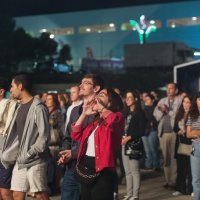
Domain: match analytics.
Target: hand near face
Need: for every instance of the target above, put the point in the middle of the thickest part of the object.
(163, 108)
(88, 108)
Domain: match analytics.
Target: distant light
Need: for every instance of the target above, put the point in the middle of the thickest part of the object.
(152, 22)
(88, 29)
(52, 36)
(173, 26)
(43, 30)
(141, 32)
(112, 25)
(196, 53)
(194, 18)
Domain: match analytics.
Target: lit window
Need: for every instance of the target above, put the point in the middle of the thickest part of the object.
(59, 31)
(192, 21)
(100, 28)
(128, 27)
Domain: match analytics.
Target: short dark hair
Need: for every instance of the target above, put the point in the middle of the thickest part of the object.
(172, 83)
(116, 103)
(4, 83)
(97, 80)
(150, 96)
(25, 80)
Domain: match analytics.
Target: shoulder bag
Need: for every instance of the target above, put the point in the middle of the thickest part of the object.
(85, 172)
(134, 149)
(184, 149)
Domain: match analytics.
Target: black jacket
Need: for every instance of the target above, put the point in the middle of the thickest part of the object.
(68, 142)
(136, 127)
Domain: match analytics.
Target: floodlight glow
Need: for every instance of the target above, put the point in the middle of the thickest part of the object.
(52, 36)
(112, 25)
(152, 22)
(173, 26)
(196, 53)
(88, 29)
(43, 30)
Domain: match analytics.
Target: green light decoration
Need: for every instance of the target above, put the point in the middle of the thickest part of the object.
(143, 31)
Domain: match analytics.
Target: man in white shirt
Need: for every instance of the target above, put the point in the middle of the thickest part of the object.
(76, 101)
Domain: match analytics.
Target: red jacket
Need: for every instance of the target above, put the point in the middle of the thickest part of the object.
(107, 139)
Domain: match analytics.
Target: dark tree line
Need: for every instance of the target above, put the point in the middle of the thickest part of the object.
(16, 45)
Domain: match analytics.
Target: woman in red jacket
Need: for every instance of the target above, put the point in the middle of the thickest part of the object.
(99, 142)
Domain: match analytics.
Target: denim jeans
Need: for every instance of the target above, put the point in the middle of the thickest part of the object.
(195, 167)
(151, 144)
(70, 187)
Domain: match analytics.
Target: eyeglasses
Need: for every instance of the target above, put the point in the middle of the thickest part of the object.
(86, 83)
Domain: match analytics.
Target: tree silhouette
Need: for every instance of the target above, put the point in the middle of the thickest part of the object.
(16, 45)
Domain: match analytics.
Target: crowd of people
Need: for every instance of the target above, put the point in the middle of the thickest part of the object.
(69, 144)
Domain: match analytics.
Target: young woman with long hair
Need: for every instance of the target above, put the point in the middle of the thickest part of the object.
(184, 178)
(193, 132)
(134, 129)
(99, 143)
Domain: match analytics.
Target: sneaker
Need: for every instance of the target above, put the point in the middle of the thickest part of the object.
(177, 193)
(192, 194)
(115, 195)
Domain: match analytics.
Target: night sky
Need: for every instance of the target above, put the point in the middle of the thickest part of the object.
(16, 8)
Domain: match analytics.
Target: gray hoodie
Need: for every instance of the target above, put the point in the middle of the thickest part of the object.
(34, 144)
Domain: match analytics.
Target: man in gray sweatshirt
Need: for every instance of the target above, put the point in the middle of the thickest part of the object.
(27, 142)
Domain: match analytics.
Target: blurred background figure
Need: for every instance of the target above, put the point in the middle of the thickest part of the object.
(134, 129)
(184, 177)
(150, 140)
(56, 123)
(64, 101)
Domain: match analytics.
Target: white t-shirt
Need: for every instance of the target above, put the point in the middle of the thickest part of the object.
(90, 145)
(195, 126)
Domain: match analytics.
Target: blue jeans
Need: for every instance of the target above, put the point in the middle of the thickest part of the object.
(151, 144)
(195, 167)
(70, 187)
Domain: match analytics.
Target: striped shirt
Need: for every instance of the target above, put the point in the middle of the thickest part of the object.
(195, 126)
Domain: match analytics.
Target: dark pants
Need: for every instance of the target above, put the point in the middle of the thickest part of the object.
(184, 177)
(70, 187)
(102, 189)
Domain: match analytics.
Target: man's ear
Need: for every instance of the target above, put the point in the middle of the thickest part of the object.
(96, 88)
(20, 86)
(2, 91)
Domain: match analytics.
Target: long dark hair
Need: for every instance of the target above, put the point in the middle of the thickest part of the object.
(181, 113)
(136, 97)
(194, 112)
(115, 101)
(55, 100)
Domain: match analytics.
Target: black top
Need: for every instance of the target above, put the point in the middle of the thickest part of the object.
(151, 123)
(68, 142)
(135, 124)
(21, 118)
